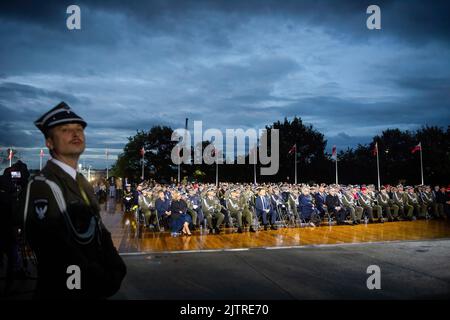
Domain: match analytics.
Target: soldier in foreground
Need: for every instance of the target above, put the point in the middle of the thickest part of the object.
(62, 220)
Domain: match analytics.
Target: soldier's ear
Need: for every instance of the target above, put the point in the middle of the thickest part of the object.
(49, 143)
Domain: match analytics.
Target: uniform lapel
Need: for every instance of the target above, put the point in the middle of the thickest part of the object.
(64, 176)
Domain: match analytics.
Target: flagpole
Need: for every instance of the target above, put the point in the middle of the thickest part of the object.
(179, 172)
(107, 171)
(254, 165)
(184, 143)
(295, 166)
(421, 163)
(378, 167)
(143, 154)
(337, 170)
(40, 160)
(217, 168)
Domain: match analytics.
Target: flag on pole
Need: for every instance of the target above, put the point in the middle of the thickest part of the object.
(10, 156)
(375, 149)
(417, 148)
(107, 165)
(142, 154)
(293, 149)
(414, 150)
(41, 155)
(334, 153)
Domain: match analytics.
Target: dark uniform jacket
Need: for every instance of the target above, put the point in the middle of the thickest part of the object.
(65, 229)
(332, 202)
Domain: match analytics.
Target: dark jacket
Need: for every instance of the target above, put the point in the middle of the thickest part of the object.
(320, 201)
(441, 197)
(306, 206)
(74, 236)
(162, 206)
(262, 205)
(332, 202)
(178, 207)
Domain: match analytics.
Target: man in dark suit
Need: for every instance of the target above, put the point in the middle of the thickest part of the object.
(264, 210)
(320, 199)
(75, 254)
(335, 206)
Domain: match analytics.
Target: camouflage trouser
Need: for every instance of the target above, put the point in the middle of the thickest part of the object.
(219, 216)
(423, 210)
(355, 212)
(194, 215)
(150, 216)
(243, 215)
(408, 211)
(391, 211)
(378, 210)
(418, 210)
(370, 211)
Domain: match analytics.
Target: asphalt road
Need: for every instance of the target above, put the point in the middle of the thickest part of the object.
(408, 270)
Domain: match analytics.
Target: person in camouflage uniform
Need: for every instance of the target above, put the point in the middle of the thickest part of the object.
(388, 205)
(366, 202)
(349, 201)
(211, 208)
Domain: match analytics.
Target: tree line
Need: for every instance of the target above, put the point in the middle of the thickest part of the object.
(355, 165)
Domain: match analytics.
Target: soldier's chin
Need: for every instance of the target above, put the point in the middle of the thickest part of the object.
(76, 150)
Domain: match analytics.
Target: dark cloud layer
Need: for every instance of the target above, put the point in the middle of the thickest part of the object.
(229, 63)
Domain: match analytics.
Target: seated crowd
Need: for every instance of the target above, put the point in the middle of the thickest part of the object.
(187, 207)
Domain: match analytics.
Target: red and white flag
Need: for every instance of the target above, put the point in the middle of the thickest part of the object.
(334, 153)
(375, 149)
(293, 149)
(142, 152)
(417, 148)
(10, 156)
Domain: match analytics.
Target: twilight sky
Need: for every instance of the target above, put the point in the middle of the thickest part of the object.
(232, 64)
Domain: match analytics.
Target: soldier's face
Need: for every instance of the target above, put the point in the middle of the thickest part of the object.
(67, 140)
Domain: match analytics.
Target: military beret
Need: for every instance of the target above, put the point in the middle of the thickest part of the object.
(59, 115)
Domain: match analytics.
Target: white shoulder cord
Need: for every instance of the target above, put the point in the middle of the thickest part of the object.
(57, 193)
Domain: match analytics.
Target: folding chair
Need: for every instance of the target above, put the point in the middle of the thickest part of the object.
(282, 216)
(329, 216)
